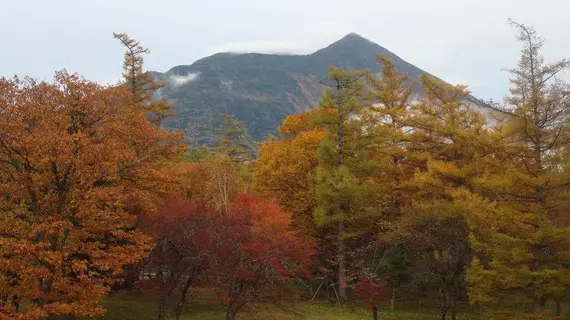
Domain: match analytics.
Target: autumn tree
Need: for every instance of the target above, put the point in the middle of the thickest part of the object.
(141, 84)
(257, 256)
(435, 239)
(381, 268)
(290, 179)
(229, 164)
(185, 235)
(371, 292)
(313, 137)
(448, 140)
(426, 151)
(224, 181)
(195, 154)
(391, 93)
(211, 182)
(71, 165)
(337, 186)
(195, 180)
(213, 176)
(388, 122)
(518, 229)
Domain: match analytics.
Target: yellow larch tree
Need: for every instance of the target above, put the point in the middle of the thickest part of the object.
(519, 229)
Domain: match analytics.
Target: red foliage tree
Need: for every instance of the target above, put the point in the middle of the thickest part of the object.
(371, 293)
(257, 255)
(185, 242)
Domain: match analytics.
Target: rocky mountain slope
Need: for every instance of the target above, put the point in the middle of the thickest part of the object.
(260, 90)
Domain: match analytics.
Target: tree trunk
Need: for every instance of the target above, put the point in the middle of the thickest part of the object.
(180, 305)
(341, 253)
(543, 301)
(454, 307)
(230, 315)
(163, 306)
(16, 305)
(536, 303)
(375, 313)
(420, 305)
(393, 300)
(178, 310)
(341, 262)
(161, 310)
(444, 305)
(558, 309)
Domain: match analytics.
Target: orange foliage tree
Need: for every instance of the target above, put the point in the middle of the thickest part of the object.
(74, 157)
(285, 168)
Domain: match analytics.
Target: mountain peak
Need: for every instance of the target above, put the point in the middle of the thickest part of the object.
(260, 90)
(351, 43)
(353, 36)
(354, 39)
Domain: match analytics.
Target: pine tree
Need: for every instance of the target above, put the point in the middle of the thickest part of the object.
(517, 222)
(140, 83)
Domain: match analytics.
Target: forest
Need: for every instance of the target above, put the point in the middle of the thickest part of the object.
(442, 206)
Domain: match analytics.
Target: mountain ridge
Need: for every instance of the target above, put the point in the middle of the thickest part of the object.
(261, 89)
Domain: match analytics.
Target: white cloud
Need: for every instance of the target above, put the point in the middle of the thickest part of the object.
(178, 80)
(274, 47)
(467, 40)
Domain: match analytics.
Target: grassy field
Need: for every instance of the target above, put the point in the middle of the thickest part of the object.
(136, 307)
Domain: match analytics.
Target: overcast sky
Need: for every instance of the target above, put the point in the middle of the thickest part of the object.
(461, 41)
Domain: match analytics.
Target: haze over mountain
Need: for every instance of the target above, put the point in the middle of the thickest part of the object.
(260, 90)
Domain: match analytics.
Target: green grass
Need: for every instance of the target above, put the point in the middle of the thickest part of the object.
(136, 307)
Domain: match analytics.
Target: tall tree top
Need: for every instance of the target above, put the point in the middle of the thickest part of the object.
(141, 84)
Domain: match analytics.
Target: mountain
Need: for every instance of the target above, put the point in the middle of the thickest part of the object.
(260, 90)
